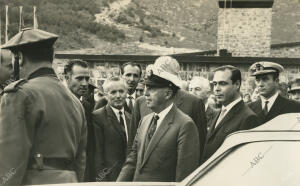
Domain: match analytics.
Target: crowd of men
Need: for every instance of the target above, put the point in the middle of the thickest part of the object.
(151, 130)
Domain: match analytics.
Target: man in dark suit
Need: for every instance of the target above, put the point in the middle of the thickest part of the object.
(234, 115)
(111, 125)
(77, 75)
(270, 103)
(131, 73)
(166, 147)
(200, 86)
(187, 103)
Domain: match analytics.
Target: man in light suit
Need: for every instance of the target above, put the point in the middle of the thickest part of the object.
(187, 103)
(234, 115)
(200, 86)
(166, 146)
(270, 103)
(111, 131)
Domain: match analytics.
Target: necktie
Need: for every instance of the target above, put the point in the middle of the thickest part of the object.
(151, 130)
(265, 109)
(221, 116)
(121, 120)
(130, 105)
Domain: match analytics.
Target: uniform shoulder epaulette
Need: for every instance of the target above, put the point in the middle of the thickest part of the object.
(14, 86)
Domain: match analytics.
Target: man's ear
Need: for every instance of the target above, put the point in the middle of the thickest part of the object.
(169, 93)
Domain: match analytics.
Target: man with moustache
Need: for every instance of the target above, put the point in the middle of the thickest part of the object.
(187, 103)
(111, 131)
(270, 103)
(166, 146)
(235, 115)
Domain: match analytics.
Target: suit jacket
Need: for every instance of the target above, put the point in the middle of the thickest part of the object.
(281, 105)
(187, 103)
(110, 144)
(240, 117)
(210, 113)
(172, 153)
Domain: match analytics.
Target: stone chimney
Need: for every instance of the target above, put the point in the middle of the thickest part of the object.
(244, 27)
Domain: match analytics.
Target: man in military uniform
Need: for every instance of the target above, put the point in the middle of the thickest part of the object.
(42, 124)
(270, 103)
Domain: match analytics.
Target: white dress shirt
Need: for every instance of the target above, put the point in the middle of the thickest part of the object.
(162, 115)
(116, 111)
(133, 98)
(228, 108)
(271, 101)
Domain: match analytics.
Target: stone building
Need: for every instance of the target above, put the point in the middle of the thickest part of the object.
(244, 37)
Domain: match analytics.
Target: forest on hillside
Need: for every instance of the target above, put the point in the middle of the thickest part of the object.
(72, 20)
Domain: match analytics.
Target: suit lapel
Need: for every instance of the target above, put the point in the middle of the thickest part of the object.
(143, 129)
(160, 131)
(228, 116)
(276, 108)
(257, 106)
(212, 128)
(115, 122)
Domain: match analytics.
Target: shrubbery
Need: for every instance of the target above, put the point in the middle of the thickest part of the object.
(72, 20)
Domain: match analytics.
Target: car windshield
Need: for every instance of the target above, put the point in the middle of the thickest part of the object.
(258, 163)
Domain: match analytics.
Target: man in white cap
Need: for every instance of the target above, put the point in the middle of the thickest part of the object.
(42, 124)
(187, 103)
(270, 103)
(166, 146)
(294, 91)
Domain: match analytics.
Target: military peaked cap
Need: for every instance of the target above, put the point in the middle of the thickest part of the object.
(29, 37)
(265, 67)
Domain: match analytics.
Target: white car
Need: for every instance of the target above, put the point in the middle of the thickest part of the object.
(268, 155)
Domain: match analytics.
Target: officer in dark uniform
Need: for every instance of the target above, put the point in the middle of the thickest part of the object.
(42, 124)
(270, 103)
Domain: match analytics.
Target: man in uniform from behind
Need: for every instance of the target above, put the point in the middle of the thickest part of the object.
(270, 103)
(42, 124)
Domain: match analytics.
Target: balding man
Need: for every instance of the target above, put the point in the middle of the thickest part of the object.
(200, 87)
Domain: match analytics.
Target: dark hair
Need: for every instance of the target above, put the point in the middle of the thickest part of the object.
(69, 66)
(235, 73)
(39, 51)
(131, 64)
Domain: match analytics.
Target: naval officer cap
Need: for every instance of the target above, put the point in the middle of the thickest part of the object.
(30, 37)
(163, 73)
(265, 67)
(295, 85)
